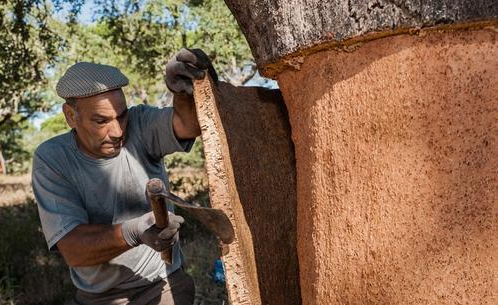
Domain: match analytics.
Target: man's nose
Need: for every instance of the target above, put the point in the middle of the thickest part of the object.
(115, 129)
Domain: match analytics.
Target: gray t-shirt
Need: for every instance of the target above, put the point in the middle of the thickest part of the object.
(72, 189)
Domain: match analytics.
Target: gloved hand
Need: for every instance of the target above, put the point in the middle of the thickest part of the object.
(185, 66)
(142, 230)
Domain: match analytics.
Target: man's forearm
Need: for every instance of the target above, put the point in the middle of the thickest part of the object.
(88, 245)
(185, 123)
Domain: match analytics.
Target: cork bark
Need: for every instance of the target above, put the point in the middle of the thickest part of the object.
(251, 172)
(397, 165)
(281, 32)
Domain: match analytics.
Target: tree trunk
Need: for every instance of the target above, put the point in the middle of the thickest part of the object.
(281, 32)
(392, 106)
(3, 167)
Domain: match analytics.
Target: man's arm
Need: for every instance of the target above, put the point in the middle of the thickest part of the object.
(93, 244)
(185, 123)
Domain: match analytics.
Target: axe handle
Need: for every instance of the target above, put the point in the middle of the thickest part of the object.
(160, 210)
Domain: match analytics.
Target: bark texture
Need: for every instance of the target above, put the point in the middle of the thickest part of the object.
(251, 171)
(277, 30)
(396, 151)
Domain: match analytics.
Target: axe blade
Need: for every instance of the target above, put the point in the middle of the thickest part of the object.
(214, 219)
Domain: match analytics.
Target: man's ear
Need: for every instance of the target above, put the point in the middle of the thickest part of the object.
(70, 114)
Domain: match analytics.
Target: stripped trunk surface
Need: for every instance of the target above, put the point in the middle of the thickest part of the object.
(251, 171)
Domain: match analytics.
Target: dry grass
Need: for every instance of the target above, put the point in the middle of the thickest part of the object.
(188, 182)
(29, 273)
(15, 189)
(22, 179)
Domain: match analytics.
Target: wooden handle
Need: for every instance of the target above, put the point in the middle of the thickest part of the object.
(155, 187)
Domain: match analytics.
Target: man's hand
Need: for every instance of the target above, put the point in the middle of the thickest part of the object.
(185, 66)
(142, 230)
(181, 70)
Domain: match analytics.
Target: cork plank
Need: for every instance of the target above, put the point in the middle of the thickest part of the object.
(251, 172)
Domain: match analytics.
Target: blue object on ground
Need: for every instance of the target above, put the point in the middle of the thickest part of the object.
(218, 274)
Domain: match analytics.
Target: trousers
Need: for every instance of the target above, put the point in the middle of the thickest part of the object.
(179, 289)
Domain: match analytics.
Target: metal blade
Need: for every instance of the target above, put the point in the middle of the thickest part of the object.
(214, 219)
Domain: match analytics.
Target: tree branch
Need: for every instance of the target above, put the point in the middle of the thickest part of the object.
(5, 118)
(249, 76)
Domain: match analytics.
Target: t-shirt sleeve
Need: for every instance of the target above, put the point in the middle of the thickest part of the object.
(155, 130)
(59, 205)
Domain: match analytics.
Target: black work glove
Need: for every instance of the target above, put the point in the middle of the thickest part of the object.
(185, 66)
(142, 230)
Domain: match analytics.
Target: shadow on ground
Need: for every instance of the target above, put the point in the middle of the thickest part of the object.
(29, 273)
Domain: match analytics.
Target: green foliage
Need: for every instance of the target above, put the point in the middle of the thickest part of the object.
(139, 37)
(220, 37)
(55, 124)
(27, 48)
(195, 158)
(149, 32)
(32, 137)
(11, 140)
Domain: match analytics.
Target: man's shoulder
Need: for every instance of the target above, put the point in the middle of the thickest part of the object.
(134, 114)
(138, 110)
(140, 115)
(55, 144)
(53, 149)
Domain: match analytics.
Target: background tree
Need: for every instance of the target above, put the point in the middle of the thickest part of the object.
(148, 33)
(28, 47)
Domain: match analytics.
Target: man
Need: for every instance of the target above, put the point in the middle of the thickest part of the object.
(90, 184)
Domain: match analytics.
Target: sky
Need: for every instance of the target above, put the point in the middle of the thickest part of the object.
(85, 17)
(86, 12)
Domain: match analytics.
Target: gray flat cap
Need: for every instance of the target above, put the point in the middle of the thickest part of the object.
(86, 79)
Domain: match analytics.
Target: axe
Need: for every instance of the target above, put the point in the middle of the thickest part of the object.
(214, 219)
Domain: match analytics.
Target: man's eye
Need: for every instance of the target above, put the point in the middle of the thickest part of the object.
(100, 122)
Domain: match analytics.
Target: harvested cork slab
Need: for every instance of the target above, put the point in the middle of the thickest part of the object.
(251, 173)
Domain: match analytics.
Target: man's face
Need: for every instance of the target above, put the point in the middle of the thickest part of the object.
(100, 123)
